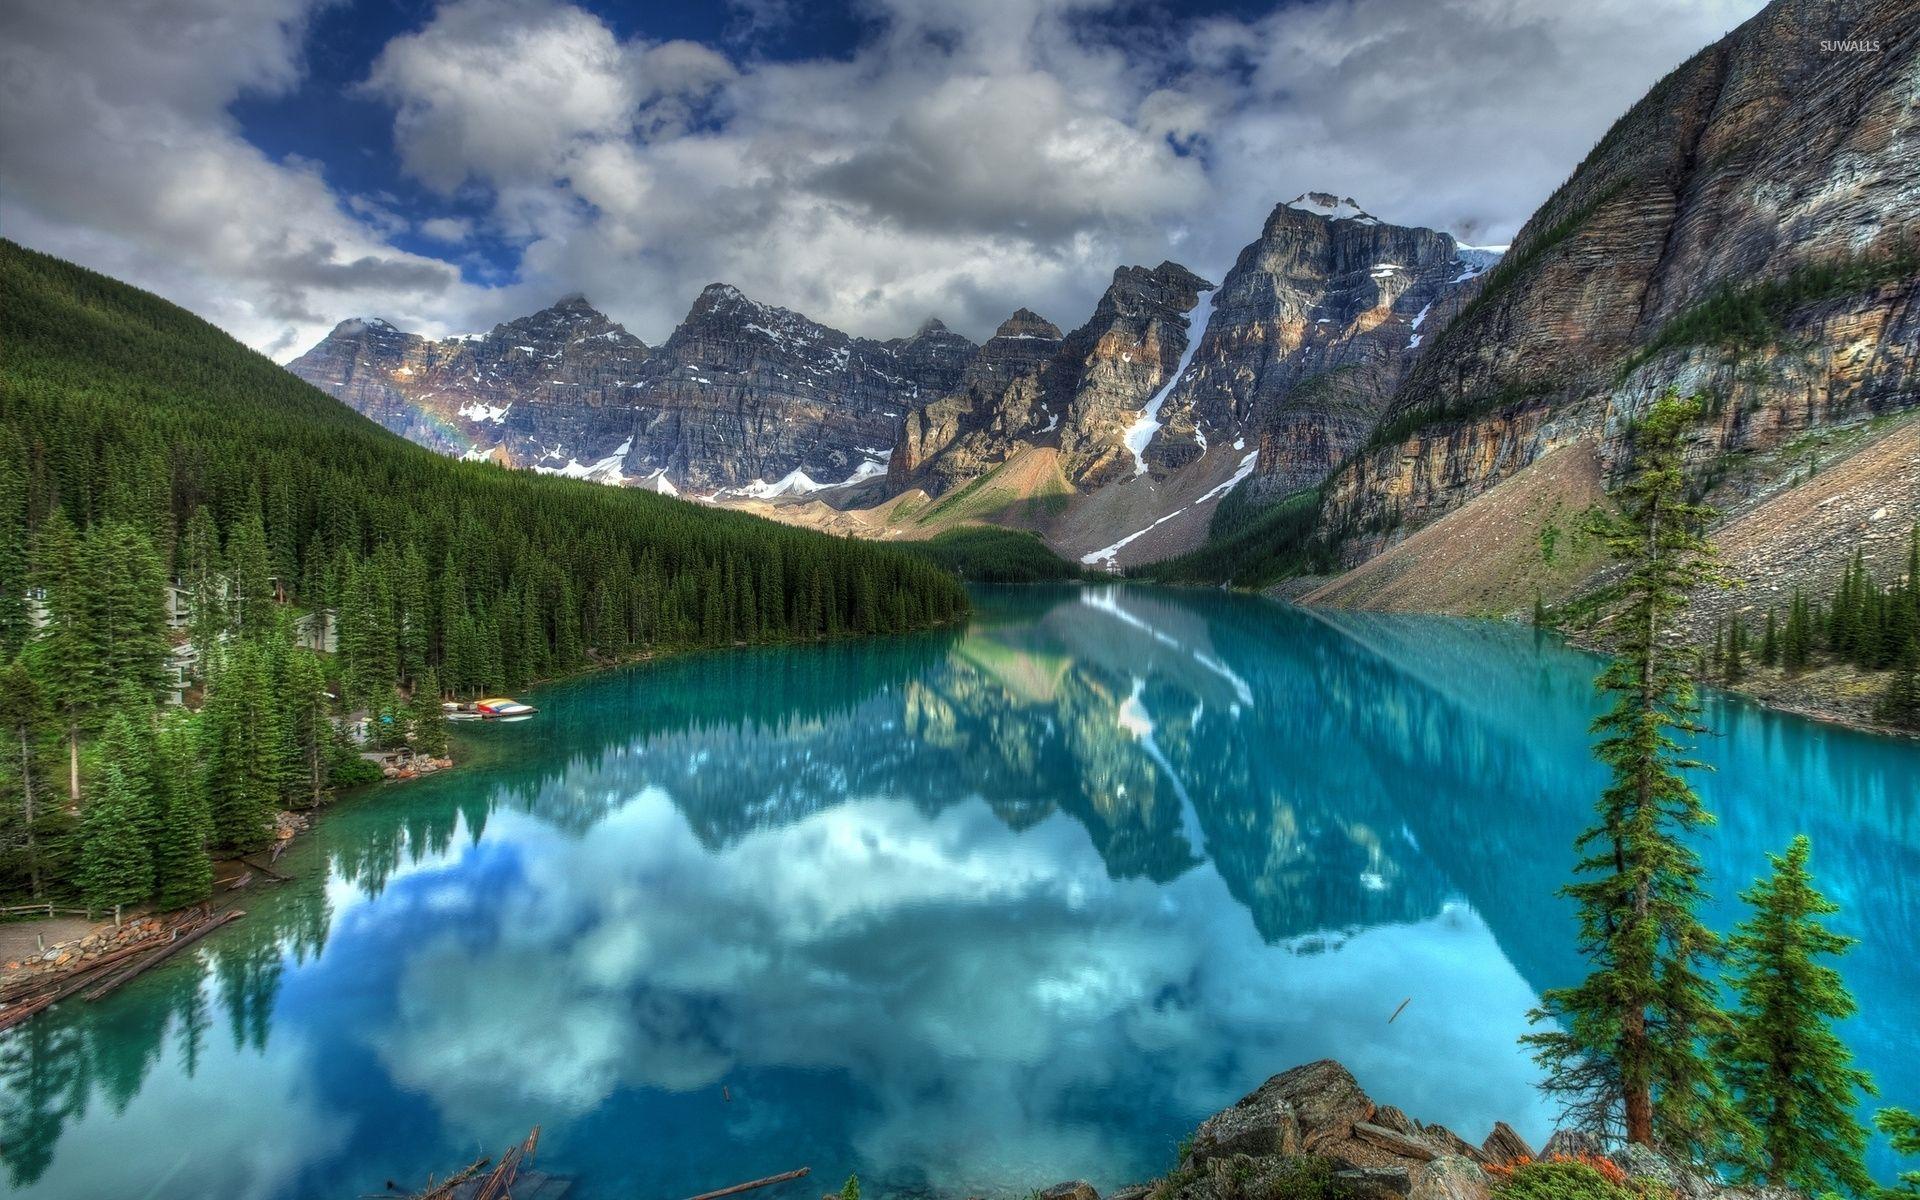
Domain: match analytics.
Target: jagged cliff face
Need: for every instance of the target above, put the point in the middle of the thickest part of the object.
(1756, 164)
(745, 393)
(559, 377)
(1309, 335)
(744, 397)
(1082, 393)
(1000, 404)
(1110, 369)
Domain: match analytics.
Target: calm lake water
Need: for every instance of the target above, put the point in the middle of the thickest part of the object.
(967, 912)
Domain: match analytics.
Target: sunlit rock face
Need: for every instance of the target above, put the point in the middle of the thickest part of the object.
(1081, 393)
(1111, 367)
(1759, 161)
(1000, 402)
(1311, 331)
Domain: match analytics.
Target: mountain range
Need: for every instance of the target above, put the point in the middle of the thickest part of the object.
(749, 403)
(1747, 230)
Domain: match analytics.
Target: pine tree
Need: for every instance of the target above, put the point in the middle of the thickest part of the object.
(116, 866)
(307, 733)
(183, 873)
(1770, 642)
(241, 743)
(427, 725)
(1737, 651)
(1900, 706)
(14, 544)
(126, 594)
(201, 576)
(1795, 1078)
(23, 716)
(1629, 1053)
(1796, 644)
(63, 655)
(250, 576)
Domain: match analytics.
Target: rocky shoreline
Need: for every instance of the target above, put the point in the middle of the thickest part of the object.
(1312, 1133)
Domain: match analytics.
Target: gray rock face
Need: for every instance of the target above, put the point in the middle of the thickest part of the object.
(1310, 333)
(559, 377)
(742, 393)
(1109, 369)
(1760, 161)
(1029, 386)
(1000, 405)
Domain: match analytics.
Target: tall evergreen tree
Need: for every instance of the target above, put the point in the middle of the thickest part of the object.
(242, 746)
(183, 873)
(23, 716)
(202, 576)
(250, 575)
(427, 725)
(64, 654)
(126, 592)
(116, 864)
(307, 729)
(14, 544)
(1629, 1053)
(1796, 1080)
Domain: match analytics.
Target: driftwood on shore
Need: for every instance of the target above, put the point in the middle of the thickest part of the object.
(104, 974)
(127, 975)
(769, 1181)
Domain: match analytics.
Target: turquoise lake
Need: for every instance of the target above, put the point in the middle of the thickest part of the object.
(969, 913)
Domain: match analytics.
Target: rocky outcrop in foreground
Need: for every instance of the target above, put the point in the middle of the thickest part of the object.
(1313, 1134)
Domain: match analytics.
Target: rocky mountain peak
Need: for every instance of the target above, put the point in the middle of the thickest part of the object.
(1330, 206)
(367, 329)
(930, 327)
(1137, 290)
(1028, 324)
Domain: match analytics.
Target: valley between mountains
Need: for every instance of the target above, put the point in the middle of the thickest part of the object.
(1365, 414)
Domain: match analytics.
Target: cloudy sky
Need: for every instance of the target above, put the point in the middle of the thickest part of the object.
(280, 165)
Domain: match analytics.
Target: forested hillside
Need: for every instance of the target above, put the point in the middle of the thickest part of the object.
(138, 444)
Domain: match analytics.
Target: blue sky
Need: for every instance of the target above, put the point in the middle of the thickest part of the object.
(281, 165)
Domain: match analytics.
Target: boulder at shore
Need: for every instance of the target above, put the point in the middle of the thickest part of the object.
(1312, 1133)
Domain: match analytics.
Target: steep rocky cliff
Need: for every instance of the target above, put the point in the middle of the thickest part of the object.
(1309, 335)
(1000, 403)
(1081, 393)
(1747, 230)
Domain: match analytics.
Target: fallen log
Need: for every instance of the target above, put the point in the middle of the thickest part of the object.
(36, 983)
(497, 1183)
(269, 872)
(129, 974)
(737, 1188)
(26, 1008)
(241, 880)
(444, 1189)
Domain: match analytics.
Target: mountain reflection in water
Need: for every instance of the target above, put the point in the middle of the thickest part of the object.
(966, 912)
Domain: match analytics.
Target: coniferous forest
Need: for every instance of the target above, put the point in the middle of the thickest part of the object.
(206, 565)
